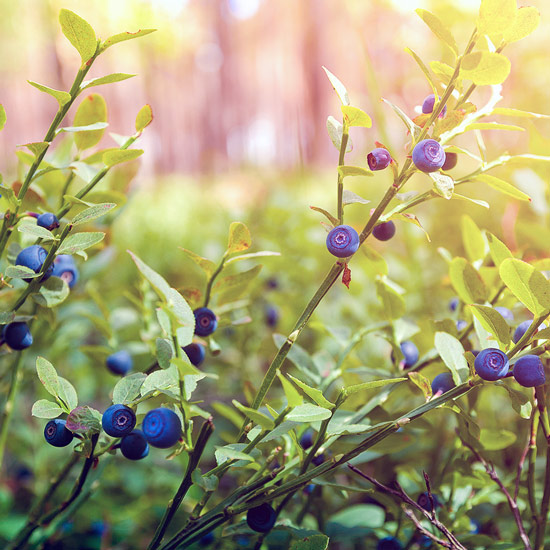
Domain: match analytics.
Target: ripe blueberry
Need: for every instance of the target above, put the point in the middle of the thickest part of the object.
(17, 335)
(453, 304)
(410, 353)
(389, 543)
(56, 433)
(33, 257)
(378, 159)
(120, 362)
(442, 383)
(428, 106)
(306, 441)
(522, 329)
(207, 539)
(205, 321)
(318, 460)
(461, 325)
(118, 420)
(195, 353)
(342, 241)
(451, 160)
(47, 220)
(271, 316)
(423, 500)
(162, 427)
(428, 155)
(491, 364)
(505, 313)
(308, 489)
(529, 371)
(384, 231)
(134, 445)
(65, 268)
(262, 518)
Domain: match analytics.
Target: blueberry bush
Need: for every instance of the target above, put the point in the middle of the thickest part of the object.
(142, 410)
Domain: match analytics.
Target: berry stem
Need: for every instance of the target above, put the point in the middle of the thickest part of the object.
(341, 157)
(209, 284)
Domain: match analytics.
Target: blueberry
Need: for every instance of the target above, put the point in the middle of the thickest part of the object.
(195, 353)
(17, 335)
(118, 420)
(308, 489)
(205, 321)
(442, 383)
(461, 325)
(342, 241)
(271, 316)
(33, 257)
(475, 526)
(56, 433)
(162, 427)
(428, 155)
(384, 231)
(522, 329)
(428, 106)
(529, 371)
(134, 445)
(389, 543)
(272, 283)
(410, 353)
(378, 159)
(120, 362)
(453, 304)
(505, 313)
(206, 539)
(306, 441)
(47, 220)
(491, 364)
(65, 268)
(423, 500)
(318, 460)
(262, 518)
(98, 528)
(451, 160)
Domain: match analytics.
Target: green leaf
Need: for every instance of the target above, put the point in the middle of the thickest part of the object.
(484, 204)
(349, 197)
(20, 272)
(349, 390)
(6, 317)
(526, 21)
(88, 128)
(228, 412)
(494, 439)
(48, 376)
(80, 241)
(359, 515)
(37, 148)
(144, 118)
(328, 215)
(206, 265)
(507, 111)
(495, 16)
(498, 250)
(493, 126)
(527, 284)
(260, 254)
(314, 393)
(128, 388)
(157, 281)
(300, 357)
(123, 36)
(424, 69)
(36, 231)
(93, 213)
(308, 413)
(346, 170)
(79, 33)
(92, 110)
(472, 238)
(392, 302)
(419, 380)
(311, 542)
(356, 117)
(443, 185)
(46, 409)
(467, 282)
(293, 397)
(164, 352)
(492, 321)
(452, 353)
(190, 384)
(439, 29)
(3, 117)
(485, 68)
(411, 126)
(520, 402)
(239, 280)
(231, 452)
(335, 131)
(239, 238)
(52, 292)
(118, 156)
(62, 97)
(108, 79)
(502, 186)
(339, 88)
(182, 315)
(67, 393)
(164, 380)
(256, 416)
(84, 420)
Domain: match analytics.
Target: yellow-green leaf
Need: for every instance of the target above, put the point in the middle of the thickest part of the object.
(467, 281)
(293, 397)
(239, 238)
(484, 68)
(493, 126)
(498, 250)
(507, 111)
(526, 21)
(503, 187)
(117, 156)
(123, 36)
(492, 321)
(92, 109)
(439, 29)
(472, 238)
(3, 117)
(392, 302)
(79, 33)
(144, 117)
(61, 97)
(495, 16)
(314, 393)
(356, 117)
(256, 416)
(339, 88)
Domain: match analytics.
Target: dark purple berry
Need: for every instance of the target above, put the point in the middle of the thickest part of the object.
(33, 257)
(262, 518)
(522, 329)
(410, 353)
(195, 353)
(56, 433)
(342, 241)
(451, 160)
(65, 268)
(47, 220)
(207, 539)
(529, 371)
(162, 427)
(491, 364)
(424, 501)
(271, 316)
(378, 159)
(384, 231)
(428, 155)
(389, 543)
(205, 321)
(428, 106)
(120, 362)
(17, 335)
(118, 420)
(134, 445)
(318, 460)
(442, 383)
(306, 441)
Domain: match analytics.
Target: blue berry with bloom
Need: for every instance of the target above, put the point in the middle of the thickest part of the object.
(384, 231)
(461, 325)
(389, 543)
(118, 420)
(529, 371)
(120, 362)
(57, 434)
(134, 446)
(410, 353)
(442, 383)
(379, 159)
(271, 316)
(428, 106)
(262, 518)
(491, 364)
(428, 155)
(17, 335)
(195, 353)
(521, 329)
(505, 313)
(205, 321)
(343, 241)
(306, 440)
(65, 268)
(161, 427)
(33, 257)
(47, 220)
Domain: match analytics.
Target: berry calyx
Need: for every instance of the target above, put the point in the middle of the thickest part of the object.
(378, 159)
(195, 353)
(33, 257)
(529, 371)
(262, 518)
(47, 220)
(491, 364)
(442, 383)
(384, 231)
(161, 427)
(134, 445)
(57, 434)
(342, 241)
(118, 420)
(120, 362)
(205, 321)
(428, 155)
(17, 335)
(428, 106)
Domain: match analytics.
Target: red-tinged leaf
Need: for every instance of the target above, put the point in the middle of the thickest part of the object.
(378, 144)
(346, 276)
(421, 120)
